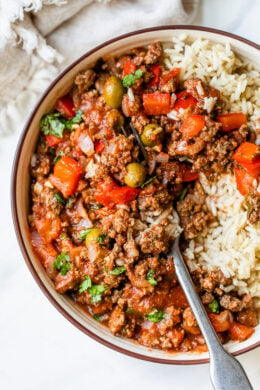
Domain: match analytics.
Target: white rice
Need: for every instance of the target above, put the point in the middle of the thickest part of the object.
(232, 243)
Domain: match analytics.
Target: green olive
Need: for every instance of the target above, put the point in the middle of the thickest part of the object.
(115, 119)
(93, 235)
(135, 175)
(113, 92)
(151, 134)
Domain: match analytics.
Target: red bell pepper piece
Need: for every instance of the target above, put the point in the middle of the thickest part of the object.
(52, 140)
(125, 194)
(192, 126)
(170, 75)
(100, 146)
(247, 153)
(109, 193)
(245, 182)
(67, 173)
(65, 106)
(48, 228)
(156, 71)
(184, 100)
(157, 103)
(240, 332)
(220, 322)
(232, 121)
(252, 169)
(129, 67)
(188, 173)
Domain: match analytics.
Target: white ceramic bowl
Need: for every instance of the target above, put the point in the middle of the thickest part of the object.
(20, 187)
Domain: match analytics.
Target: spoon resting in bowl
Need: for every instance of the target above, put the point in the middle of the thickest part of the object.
(226, 372)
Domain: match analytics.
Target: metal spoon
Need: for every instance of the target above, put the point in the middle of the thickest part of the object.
(226, 372)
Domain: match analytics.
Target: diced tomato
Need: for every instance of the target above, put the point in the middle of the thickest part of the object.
(245, 182)
(48, 228)
(247, 153)
(184, 100)
(188, 173)
(192, 126)
(177, 298)
(240, 332)
(157, 103)
(100, 146)
(232, 121)
(67, 173)
(156, 71)
(109, 193)
(170, 75)
(221, 322)
(129, 67)
(124, 194)
(52, 140)
(65, 106)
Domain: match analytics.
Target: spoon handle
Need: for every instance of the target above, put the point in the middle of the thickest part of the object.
(225, 371)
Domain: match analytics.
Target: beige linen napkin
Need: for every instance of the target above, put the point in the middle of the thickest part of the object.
(71, 27)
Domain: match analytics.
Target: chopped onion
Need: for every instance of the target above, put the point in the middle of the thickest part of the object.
(173, 115)
(86, 144)
(200, 89)
(162, 157)
(33, 160)
(130, 95)
(173, 99)
(151, 163)
(90, 169)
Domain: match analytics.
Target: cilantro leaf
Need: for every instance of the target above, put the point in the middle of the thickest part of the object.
(214, 306)
(57, 158)
(101, 238)
(84, 233)
(86, 284)
(150, 277)
(96, 291)
(77, 119)
(97, 318)
(148, 181)
(117, 270)
(130, 311)
(155, 316)
(130, 79)
(52, 124)
(183, 194)
(55, 123)
(59, 198)
(62, 263)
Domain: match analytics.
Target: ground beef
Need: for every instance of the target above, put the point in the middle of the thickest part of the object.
(155, 239)
(84, 80)
(154, 53)
(253, 207)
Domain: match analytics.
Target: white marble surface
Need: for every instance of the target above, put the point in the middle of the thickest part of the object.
(41, 350)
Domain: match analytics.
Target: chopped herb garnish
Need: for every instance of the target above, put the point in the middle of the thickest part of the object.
(95, 290)
(77, 119)
(59, 198)
(155, 316)
(96, 206)
(214, 306)
(62, 263)
(102, 238)
(84, 233)
(129, 311)
(55, 123)
(148, 181)
(130, 79)
(86, 284)
(70, 201)
(52, 124)
(57, 158)
(117, 270)
(150, 277)
(97, 318)
(183, 194)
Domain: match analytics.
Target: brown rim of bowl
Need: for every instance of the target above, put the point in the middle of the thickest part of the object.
(14, 205)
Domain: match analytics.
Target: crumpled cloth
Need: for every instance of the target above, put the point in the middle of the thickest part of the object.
(39, 37)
